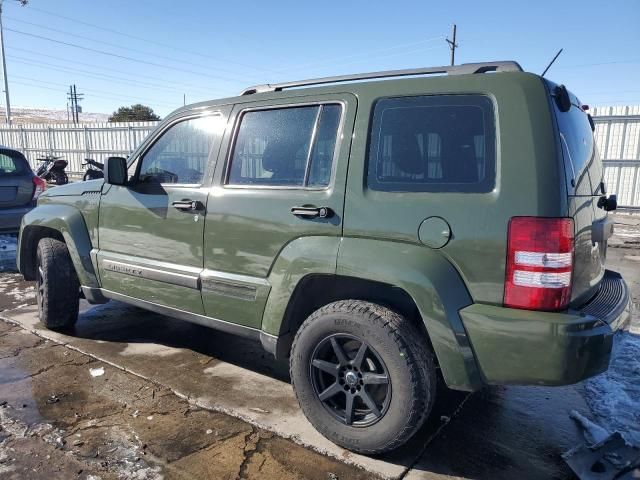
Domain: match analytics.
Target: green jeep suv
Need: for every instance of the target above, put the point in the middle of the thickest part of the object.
(379, 230)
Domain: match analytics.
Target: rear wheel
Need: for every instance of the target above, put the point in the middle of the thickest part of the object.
(57, 285)
(363, 375)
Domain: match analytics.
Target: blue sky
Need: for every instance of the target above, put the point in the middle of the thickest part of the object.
(208, 49)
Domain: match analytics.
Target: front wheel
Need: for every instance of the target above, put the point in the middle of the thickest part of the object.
(92, 174)
(61, 178)
(363, 375)
(57, 285)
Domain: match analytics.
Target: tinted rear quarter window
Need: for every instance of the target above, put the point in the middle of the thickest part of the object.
(433, 144)
(13, 164)
(581, 158)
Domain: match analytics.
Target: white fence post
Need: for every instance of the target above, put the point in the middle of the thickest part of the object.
(50, 136)
(87, 147)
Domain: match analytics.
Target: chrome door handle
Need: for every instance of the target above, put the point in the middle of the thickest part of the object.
(312, 212)
(187, 205)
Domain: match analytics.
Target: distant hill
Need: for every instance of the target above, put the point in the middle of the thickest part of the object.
(41, 115)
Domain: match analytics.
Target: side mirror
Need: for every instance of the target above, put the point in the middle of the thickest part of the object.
(115, 171)
(612, 203)
(609, 204)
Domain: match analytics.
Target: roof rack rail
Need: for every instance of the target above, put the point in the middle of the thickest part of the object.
(465, 68)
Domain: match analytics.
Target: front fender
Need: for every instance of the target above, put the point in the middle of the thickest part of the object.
(68, 222)
(435, 286)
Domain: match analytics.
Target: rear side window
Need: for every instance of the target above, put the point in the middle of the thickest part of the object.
(288, 147)
(13, 164)
(581, 157)
(433, 144)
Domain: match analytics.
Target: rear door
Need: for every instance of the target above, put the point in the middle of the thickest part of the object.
(584, 176)
(282, 178)
(16, 185)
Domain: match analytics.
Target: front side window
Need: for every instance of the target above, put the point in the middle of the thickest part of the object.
(432, 144)
(290, 147)
(180, 154)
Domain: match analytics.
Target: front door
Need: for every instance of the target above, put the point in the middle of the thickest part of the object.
(280, 187)
(150, 231)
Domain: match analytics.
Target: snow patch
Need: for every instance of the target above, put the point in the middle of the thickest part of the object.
(593, 433)
(8, 247)
(149, 349)
(614, 396)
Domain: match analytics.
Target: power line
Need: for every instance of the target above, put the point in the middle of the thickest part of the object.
(58, 90)
(109, 95)
(389, 55)
(102, 69)
(124, 57)
(127, 48)
(368, 53)
(100, 76)
(135, 37)
(616, 62)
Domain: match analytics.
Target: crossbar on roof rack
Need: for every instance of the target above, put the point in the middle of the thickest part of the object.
(465, 68)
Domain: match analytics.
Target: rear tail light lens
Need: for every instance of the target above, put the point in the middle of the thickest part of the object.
(39, 186)
(539, 263)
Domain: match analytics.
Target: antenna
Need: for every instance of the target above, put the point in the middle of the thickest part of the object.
(551, 63)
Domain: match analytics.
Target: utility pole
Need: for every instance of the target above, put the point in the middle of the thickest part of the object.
(453, 45)
(73, 96)
(7, 111)
(71, 103)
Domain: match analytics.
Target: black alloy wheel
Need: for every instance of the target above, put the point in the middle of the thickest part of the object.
(351, 380)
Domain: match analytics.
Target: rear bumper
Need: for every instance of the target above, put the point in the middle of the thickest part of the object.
(544, 348)
(10, 218)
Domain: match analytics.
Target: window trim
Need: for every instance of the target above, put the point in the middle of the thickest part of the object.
(159, 134)
(336, 148)
(405, 187)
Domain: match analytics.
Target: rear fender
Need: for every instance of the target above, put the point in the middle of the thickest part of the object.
(437, 290)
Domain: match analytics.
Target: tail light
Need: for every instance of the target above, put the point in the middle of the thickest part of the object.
(539, 263)
(39, 186)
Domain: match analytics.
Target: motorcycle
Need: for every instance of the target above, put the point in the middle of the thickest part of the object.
(52, 170)
(94, 171)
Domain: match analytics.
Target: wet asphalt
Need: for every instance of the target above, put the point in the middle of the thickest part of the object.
(181, 401)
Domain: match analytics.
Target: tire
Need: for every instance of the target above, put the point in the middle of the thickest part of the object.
(395, 353)
(61, 179)
(57, 286)
(91, 174)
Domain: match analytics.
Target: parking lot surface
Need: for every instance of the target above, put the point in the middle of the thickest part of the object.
(158, 367)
